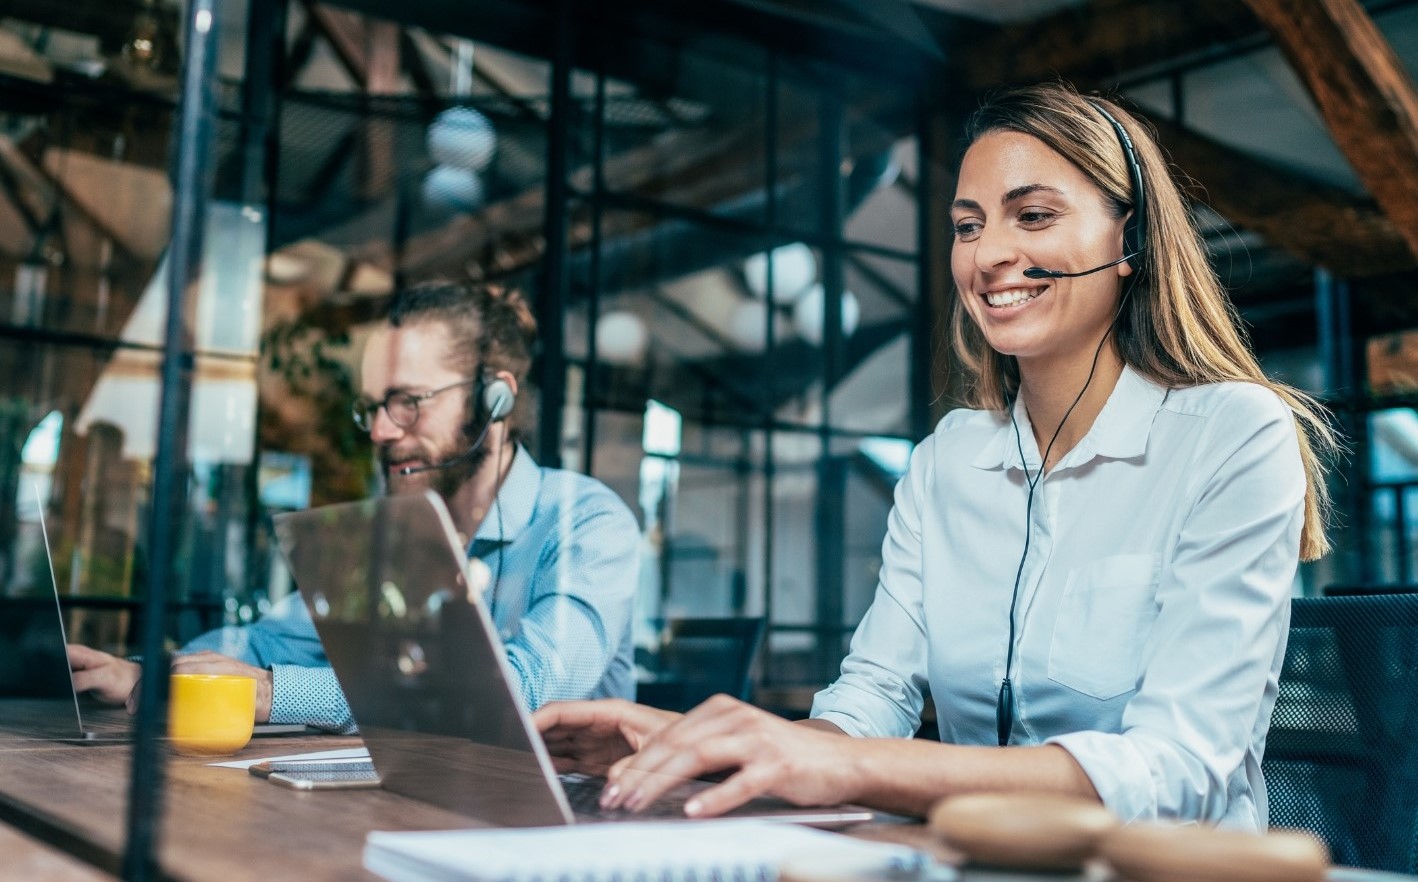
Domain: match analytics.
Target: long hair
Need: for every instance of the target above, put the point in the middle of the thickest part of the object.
(1178, 328)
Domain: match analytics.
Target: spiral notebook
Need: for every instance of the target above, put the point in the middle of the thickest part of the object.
(707, 851)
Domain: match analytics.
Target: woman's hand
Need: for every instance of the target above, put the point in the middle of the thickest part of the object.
(589, 736)
(804, 765)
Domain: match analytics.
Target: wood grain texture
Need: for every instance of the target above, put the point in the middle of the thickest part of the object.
(1362, 91)
(1315, 222)
(27, 858)
(1092, 43)
(225, 824)
(219, 824)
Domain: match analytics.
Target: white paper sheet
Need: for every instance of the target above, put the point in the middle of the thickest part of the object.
(343, 753)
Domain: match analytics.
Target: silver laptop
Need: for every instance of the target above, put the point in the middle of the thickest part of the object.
(34, 665)
(34, 668)
(427, 677)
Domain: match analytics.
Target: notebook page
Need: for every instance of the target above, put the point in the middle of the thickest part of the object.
(701, 850)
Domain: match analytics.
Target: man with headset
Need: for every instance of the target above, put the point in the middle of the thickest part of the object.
(557, 551)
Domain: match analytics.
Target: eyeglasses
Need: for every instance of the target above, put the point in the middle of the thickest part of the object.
(401, 405)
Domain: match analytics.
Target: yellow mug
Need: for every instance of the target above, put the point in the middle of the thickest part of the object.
(210, 714)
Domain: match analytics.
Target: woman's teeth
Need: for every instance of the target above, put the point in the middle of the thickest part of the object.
(1012, 297)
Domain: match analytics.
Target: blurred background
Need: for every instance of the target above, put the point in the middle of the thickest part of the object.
(732, 218)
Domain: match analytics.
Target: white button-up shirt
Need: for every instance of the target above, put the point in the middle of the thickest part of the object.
(1153, 607)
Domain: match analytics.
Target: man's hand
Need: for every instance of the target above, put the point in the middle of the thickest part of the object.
(215, 663)
(589, 736)
(108, 678)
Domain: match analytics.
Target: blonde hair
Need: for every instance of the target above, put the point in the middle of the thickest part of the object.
(1179, 327)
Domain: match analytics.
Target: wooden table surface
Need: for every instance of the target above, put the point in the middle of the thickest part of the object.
(28, 858)
(219, 823)
(62, 812)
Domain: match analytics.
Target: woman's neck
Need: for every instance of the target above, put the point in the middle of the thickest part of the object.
(1050, 389)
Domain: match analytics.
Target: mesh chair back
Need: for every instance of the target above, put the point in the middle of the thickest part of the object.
(703, 657)
(1341, 759)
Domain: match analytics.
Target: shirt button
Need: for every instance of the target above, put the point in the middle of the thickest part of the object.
(505, 634)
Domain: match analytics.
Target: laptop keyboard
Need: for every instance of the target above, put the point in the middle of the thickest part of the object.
(583, 792)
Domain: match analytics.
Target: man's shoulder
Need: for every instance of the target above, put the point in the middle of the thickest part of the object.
(564, 491)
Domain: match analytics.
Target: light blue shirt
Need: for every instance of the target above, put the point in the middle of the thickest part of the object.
(562, 597)
(1153, 605)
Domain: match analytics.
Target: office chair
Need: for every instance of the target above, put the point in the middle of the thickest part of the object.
(1341, 759)
(1367, 588)
(703, 657)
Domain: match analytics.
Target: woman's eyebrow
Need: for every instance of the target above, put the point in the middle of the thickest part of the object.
(965, 205)
(1027, 189)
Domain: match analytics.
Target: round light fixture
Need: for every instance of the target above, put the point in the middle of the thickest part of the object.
(808, 314)
(452, 189)
(621, 338)
(794, 271)
(463, 138)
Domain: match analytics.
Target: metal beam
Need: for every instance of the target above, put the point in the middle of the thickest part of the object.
(191, 190)
(551, 299)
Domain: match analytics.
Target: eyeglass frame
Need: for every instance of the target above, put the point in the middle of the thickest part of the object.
(366, 408)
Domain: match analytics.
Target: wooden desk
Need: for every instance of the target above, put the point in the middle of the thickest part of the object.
(225, 824)
(27, 858)
(219, 824)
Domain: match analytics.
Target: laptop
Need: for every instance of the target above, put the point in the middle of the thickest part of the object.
(34, 664)
(427, 677)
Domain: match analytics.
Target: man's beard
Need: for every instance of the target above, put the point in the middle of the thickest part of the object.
(444, 481)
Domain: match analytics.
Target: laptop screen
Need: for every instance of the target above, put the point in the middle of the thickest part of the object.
(33, 663)
(422, 666)
(384, 582)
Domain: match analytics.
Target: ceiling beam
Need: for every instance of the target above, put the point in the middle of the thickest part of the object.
(345, 32)
(416, 67)
(1097, 42)
(1363, 93)
(1318, 223)
(110, 20)
(1093, 44)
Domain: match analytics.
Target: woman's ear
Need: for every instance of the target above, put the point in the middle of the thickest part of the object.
(1126, 268)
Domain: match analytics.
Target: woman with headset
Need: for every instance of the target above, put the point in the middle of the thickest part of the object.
(1089, 569)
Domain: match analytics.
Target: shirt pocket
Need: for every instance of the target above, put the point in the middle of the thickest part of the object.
(1104, 618)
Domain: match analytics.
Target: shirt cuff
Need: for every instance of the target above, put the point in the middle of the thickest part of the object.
(309, 696)
(1117, 771)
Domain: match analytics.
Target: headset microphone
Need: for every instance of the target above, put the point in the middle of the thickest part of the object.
(1035, 272)
(449, 463)
(498, 399)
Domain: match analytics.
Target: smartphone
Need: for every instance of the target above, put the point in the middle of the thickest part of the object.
(333, 774)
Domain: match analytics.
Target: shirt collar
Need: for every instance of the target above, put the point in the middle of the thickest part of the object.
(1119, 432)
(517, 500)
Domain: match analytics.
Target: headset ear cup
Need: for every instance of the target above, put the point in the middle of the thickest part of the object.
(498, 400)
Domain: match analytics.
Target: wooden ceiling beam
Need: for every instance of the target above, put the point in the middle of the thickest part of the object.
(1317, 223)
(416, 67)
(1362, 91)
(1091, 45)
(345, 32)
(1096, 42)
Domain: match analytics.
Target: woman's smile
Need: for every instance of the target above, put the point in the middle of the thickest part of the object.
(1012, 298)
